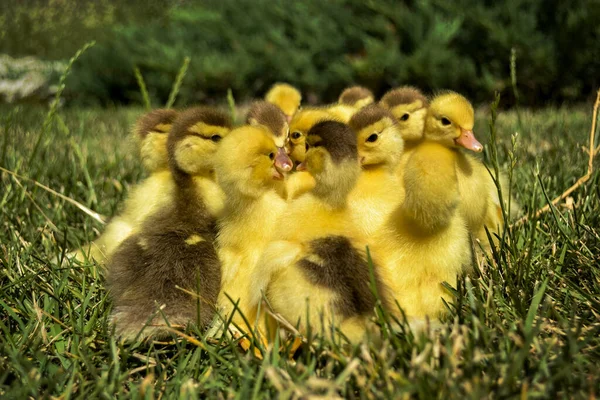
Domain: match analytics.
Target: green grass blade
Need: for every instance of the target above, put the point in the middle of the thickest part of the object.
(178, 81)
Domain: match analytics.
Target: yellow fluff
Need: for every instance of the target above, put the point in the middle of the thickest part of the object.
(245, 170)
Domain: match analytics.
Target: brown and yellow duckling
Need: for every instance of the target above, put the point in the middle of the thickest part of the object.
(356, 97)
(152, 130)
(315, 275)
(173, 253)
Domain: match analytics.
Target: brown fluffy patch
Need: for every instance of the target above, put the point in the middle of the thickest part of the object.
(147, 268)
(368, 116)
(269, 115)
(335, 137)
(150, 122)
(402, 95)
(335, 264)
(354, 94)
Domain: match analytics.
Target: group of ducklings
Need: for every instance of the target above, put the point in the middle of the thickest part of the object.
(271, 220)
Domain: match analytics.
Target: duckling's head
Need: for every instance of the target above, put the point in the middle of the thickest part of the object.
(356, 96)
(379, 138)
(450, 121)
(272, 118)
(245, 162)
(152, 130)
(286, 97)
(194, 137)
(300, 125)
(332, 159)
(409, 106)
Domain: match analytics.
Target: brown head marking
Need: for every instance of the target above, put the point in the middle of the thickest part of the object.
(353, 94)
(368, 116)
(154, 121)
(335, 137)
(269, 115)
(402, 95)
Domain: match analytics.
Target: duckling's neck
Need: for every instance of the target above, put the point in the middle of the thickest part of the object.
(332, 200)
(384, 167)
(184, 180)
(411, 144)
(190, 193)
(334, 197)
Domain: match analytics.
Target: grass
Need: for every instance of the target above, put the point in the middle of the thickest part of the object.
(526, 322)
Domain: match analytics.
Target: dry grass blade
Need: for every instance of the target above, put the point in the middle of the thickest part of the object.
(83, 208)
(52, 225)
(190, 339)
(581, 180)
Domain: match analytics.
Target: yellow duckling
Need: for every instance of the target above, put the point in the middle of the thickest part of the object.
(299, 126)
(480, 203)
(426, 241)
(286, 97)
(152, 131)
(301, 181)
(380, 147)
(274, 120)
(173, 253)
(314, 274)
(245, 169)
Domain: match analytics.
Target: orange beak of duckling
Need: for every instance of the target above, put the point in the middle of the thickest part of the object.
(468, 141)
(283, 162)
(301, 166)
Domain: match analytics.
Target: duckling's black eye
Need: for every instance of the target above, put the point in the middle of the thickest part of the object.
(404, 117)
(215, 138)
(271, 156)
(373, 138)
(445, 121)
(296, 135)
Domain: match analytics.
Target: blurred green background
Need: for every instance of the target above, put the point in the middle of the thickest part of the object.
(321, 46)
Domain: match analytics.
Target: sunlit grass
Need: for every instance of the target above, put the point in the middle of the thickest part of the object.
(525, 322)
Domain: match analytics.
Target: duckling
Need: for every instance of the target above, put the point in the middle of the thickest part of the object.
(271, 117)
(301, 181)
(319, 264)
(151, 132)
(350, 101)
(149, 195)
(425, 242)
(301, 123)
(479, 204)
(380, 147)
(409, 106)
(286, 97)
(173, 253)
(356, 97)
(245, 168)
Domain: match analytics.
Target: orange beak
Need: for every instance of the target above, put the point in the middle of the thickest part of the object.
(282, 160)
(301, 166)
(468, 141)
